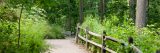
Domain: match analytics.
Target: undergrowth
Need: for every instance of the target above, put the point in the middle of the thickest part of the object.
(55, 32)
(33, 28)
(147, 40)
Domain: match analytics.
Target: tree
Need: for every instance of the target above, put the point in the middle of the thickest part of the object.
(141, 13)
(21, 3)
(132, 4)
(19, 25)
(102, 9)
(81, 11)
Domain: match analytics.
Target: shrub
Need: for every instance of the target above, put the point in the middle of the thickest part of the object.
(55, 32)
(147, 41)
(33, 29)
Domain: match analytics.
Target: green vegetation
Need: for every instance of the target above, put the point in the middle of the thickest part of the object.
(49, 19)
(55, 32)
(33, 29)
(147, 41)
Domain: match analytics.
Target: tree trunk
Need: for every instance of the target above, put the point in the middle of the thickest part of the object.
(69, 15)
(91, 6)
(132, 4)
(141, 13)
(102, 9)
(81, 11)
(19, 26)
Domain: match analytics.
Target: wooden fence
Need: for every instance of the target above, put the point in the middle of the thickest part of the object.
(103, 38)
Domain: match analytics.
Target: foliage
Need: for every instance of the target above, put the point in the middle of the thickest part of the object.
(7, 37)
(118, 25)
(153, 13)
(50, 18)
(7, 14)
(93, 24)
(61, 12)
(147, 41)
(33, 29)
(55, 32)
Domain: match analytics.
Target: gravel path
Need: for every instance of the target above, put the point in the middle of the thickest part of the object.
(64, 46)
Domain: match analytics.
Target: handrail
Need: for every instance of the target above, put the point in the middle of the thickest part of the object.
(104, 38)
(136, 49)
(100, 36)
(96, 44)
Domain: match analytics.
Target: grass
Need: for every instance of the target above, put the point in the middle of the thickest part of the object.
(147, 40)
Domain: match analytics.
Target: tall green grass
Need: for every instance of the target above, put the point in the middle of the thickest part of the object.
(147, 41)
(55, 32)
(33, 29)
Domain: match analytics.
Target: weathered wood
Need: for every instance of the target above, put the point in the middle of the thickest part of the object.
(104, 38)
(86, 41)
(116, 40)
(87, 44)
(98, 45)
(103, 43)
(94, 34)
(107, 37)
(100, 36)
(77, 32)
(91, 33)
(135, 49)
(94, 43)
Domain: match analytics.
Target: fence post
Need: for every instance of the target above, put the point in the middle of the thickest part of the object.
(77, 32)
(103, 50)
(130, 41)
(133, 48)
(87, 44)
(157, 51)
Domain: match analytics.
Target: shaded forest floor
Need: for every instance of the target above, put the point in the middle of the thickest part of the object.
(64, 46)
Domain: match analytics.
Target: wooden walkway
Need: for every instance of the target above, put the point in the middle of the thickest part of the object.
(64, 46)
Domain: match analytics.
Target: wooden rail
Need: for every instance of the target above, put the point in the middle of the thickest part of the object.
(103, 38)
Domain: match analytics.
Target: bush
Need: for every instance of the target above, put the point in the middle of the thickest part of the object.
(33, 29)
(147, 41)
(55, 32)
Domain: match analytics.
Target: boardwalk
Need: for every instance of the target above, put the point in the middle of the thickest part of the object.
(64, 46)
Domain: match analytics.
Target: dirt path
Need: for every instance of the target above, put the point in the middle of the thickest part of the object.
(64, 46)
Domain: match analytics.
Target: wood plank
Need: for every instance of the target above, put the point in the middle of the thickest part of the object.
(107, 38)
(95, 34)
(98, 45)
(94, 43)
(91, 33)
(135, 49)
(115, 40)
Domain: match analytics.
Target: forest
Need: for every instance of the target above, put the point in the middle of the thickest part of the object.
(26, 24)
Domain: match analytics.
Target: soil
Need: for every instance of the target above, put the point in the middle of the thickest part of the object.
(64, 46)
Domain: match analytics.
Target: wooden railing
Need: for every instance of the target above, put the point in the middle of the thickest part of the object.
(103, 38)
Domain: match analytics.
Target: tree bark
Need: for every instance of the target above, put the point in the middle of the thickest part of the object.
(69, 15)
(81, 11)
(102, 9)
(132, 4)
(141, 13)
(19, 22)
